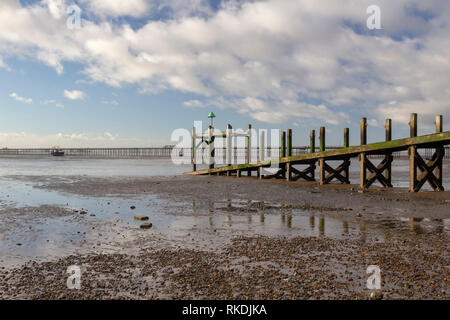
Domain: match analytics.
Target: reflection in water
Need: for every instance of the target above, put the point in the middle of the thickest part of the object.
(345, 226)
(289, 221)
(306, 222)
(210, 207)
(228, 219)
(414, 227)
(311, 222)
(210, 222)
(362, 231)
(321, 225)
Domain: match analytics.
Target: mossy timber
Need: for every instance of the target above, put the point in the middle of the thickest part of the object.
(436, 141)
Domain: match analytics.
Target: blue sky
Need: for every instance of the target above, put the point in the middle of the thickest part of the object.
(137, 70)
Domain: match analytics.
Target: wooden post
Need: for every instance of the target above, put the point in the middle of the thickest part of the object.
(322, 139)
(412, 153)
(413, 125)
(312, 141)
(388, 171)
(228, 145)
(388, 127)
(289, 142)
(288, 171)
(193, 156)
(346, 145)
(439, 129)
(363, 131)
(412, 168)
(362, 156)
(346, 138)
(322, 161)
(283, 144)
(439, 124)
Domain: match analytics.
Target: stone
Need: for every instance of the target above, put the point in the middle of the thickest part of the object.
(374, 295)
(146, 226)
(141, 217)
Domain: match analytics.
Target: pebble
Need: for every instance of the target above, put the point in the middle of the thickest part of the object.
(140, 217)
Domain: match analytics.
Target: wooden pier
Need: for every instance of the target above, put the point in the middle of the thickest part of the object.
(421, 170)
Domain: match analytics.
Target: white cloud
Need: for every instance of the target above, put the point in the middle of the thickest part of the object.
(117, 8)
(2, 63)
(112, 102)
(194, 104)
(276, 60)
(69, 140)
(74, 95)
(16, 97)
(141, 8)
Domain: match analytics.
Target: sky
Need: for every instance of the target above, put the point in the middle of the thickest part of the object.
(128, 73)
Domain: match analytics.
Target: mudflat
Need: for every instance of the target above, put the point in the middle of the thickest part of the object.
(229, 238)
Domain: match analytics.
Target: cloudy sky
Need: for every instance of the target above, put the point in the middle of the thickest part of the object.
(130, 72)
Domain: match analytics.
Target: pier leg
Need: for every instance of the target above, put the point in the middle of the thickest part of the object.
(412, 169)
(322, 171)
(362, 170)
(288, 171)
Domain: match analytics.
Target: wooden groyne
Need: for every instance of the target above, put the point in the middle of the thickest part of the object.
(421, 169)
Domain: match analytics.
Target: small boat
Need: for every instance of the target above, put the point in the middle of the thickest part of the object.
(57, 152)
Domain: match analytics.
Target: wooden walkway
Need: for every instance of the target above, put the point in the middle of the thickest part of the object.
(421, 170)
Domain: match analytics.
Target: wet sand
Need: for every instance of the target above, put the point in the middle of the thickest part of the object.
(226, 238)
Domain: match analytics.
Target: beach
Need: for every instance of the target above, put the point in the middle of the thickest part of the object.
(213, 237)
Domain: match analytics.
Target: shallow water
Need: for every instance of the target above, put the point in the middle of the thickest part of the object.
(63, 166)
(113, 228)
